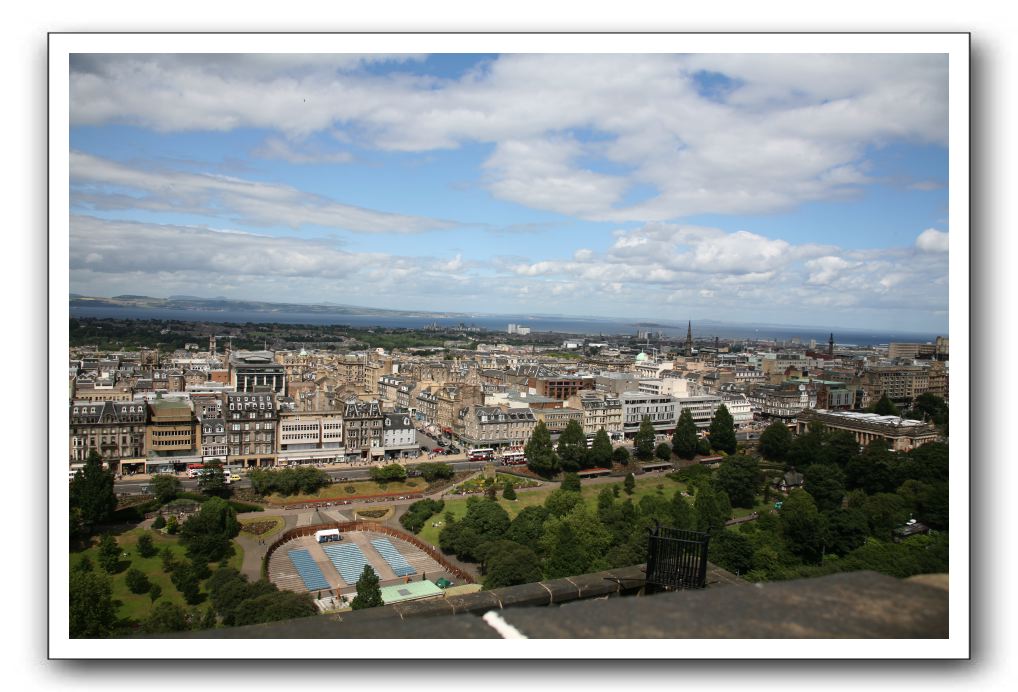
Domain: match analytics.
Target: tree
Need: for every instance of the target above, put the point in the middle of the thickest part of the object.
(872, 471)
(185, 578)
(847, 529)
(433, 471)
(566, 557)
(508, 492)
(145, 546)
(510, 564)
(712, 508)
(154, 592)
(884, 407)
(388, 473)
(740, 478)
(801, 526)
(207, 534)
(621, 456)
(212, 481)
(91, 613)
(572, 447)
(683, 516)
(165, 487)
(369, 595)
(166, 617)
(560, 502)
(684, 439)
(644, 440)
(570, 481)
(776, 442)
(630, 484)
(172, 525)
(826, 484)
(528, 526)
(731, 550)
(600, 454)
(109, 553)
(541, 457)
(933, 408)
(92, 494)
(663, 451)
(884, 512)
(136, 580)
(159, 522)
(722, 431)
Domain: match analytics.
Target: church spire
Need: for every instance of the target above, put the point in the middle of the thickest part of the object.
(689, 339)
(830, 346)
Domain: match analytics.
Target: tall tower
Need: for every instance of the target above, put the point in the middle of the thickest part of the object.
(689, 340)
(830, 346)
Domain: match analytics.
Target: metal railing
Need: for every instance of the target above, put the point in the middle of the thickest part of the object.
(676, 559)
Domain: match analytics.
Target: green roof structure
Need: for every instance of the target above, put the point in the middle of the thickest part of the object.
(410, 591)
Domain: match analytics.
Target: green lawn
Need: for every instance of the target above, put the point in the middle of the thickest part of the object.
(137, 606)
(529, 498)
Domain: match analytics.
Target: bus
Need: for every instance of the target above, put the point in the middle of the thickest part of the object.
(481, 454)
(514, 459)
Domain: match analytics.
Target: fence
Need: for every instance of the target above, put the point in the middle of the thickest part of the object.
(677, 559)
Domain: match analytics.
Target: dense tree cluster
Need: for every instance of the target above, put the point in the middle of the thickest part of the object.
(419, 512)
(290, 481)
(433, 471)
(207, 534)
(388, 473)
(240, 602)
(563, 537)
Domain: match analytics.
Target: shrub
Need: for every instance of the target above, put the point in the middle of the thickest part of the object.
(159, 523)
(137, 582)
(419, 512)
(145, 547)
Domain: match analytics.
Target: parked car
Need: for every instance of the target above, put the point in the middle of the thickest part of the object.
(438, 450)
(454, 450)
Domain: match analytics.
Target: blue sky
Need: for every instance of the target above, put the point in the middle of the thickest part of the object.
(779, 188)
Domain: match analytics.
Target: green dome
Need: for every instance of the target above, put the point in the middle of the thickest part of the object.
(640, 357)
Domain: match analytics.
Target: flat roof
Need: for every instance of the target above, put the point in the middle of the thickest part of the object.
(410, 591)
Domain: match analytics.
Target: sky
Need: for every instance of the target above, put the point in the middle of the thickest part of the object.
(789, 189)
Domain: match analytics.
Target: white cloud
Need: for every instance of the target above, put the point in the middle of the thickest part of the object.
(932, 240)
(572, 134)
(258, 203)
(276, 148)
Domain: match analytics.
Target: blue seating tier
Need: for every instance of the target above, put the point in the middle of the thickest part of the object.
(348, 559)
(309, 572)
(389, 553)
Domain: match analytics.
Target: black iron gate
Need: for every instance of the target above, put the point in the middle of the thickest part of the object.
(677, 559)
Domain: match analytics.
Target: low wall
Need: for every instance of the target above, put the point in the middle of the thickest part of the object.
(374, 527)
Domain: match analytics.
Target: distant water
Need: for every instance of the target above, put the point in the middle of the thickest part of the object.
(538, 324)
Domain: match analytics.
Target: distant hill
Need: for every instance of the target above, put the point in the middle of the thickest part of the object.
(183, 302)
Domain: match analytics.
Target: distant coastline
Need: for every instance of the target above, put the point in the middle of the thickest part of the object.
(190, 309)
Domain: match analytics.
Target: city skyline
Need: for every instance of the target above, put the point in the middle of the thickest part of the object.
(791, 189)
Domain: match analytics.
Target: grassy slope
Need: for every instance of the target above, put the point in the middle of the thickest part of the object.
(137, 606)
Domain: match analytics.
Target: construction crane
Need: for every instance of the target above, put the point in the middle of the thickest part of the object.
(212, 341)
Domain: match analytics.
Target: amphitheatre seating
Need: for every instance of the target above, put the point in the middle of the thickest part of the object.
(313, 578)
(348, 559)
(389, 553)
